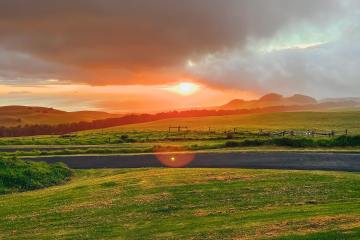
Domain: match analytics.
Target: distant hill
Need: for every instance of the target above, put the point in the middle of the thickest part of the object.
(295, 101)
(270, 100)
(336, 100)
(22, 115)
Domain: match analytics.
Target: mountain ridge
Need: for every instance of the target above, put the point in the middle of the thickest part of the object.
(271, 99)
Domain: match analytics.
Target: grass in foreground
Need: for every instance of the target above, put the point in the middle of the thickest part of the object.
(188, 204)
(17, 175)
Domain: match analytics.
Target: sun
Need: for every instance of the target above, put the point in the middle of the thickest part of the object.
(185, 88)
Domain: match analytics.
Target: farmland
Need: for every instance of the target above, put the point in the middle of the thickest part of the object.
(158, 203)
(241, 132)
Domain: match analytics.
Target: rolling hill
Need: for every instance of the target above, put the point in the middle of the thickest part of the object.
(22, 115)
(272, 99)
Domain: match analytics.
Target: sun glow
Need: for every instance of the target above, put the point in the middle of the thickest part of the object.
(185, 88)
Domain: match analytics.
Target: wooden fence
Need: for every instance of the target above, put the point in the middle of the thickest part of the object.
(261, 132)
(308, 133)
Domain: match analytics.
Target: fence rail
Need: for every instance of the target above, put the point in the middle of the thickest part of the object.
(311, 133)
(239, 131)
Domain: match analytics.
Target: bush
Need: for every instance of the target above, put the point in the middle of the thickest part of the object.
(343, 141)
(124, 137)
(232, 144)
(229, 135)
(294, 142)
(254, 143)
(17, 175)
(246, 143)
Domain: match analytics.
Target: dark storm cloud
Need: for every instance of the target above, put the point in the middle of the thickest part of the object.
(318, 56)
(110, 41)
(327, 70)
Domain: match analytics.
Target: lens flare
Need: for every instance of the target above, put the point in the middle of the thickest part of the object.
(174, 157)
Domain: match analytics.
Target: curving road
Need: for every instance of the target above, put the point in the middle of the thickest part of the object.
(273, 160)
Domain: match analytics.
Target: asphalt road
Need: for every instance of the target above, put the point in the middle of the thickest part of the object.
(274, 160)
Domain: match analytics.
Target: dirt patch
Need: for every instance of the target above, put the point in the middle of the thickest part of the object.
(308, 226)
(85, 205)
(205, 213)
(149, 198)
(229, 178)
(17, 217)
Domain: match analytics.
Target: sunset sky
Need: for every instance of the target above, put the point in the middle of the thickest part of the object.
(156, 55)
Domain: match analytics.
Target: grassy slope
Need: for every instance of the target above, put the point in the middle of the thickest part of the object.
(293, 120)
(68, 117)
(9, 116)
(188, 204)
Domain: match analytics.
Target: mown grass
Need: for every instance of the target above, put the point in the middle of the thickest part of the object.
(17, 175)
(188, 204)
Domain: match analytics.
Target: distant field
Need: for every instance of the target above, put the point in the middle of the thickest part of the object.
(285, 120)
(188, 204)
(138, 138)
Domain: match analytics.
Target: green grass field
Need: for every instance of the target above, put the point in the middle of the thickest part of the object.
(338, 121)
(144, 138)
(188, 204)
(158, 130)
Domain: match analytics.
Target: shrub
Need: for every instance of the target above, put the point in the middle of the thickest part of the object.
(17, 175)
(254, 143)
(229, 135)
(294, 142)
(325, 143)
(344, 141)
(232, 144)
(246, 143)
(124, 137)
